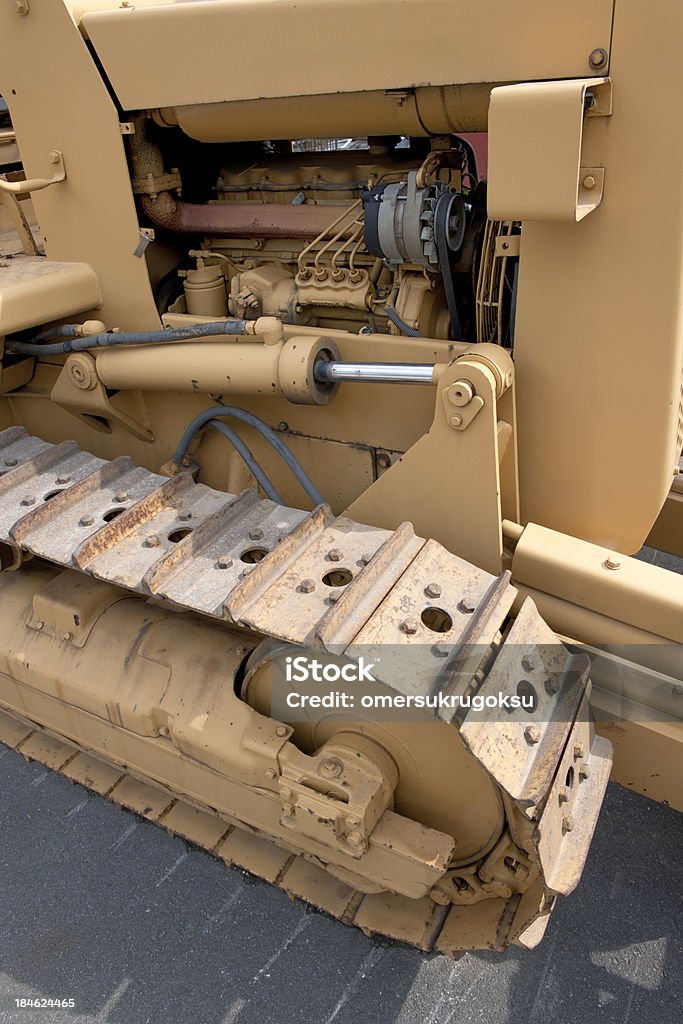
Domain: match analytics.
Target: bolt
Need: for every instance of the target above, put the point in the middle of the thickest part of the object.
(67, 635)
(597, 58)
(563, 795)
(532, 734)
(567, 823)
(11, 462)
(612, 562)
(439, 897)
(28, 500)
(383, 460)
(440, 651)
(288, 810)
(255, 534)
(433, 590)
(409, 627)
(63, 479)
(307, 586)
(363, 560)
(354, 838)
(271, 773)
(331, 768)
(86, 521)
(283, 426)
(552, 684)
(456, 421)
(152, 541)
(224, 562)
(53, 155)
(184, 516)
(677, 691)
(334, 596)
(466, 605)
(334, 555)
(579, 751)
(584, 772)
(528, 663)
(39, 624)
(590, 181)
(122, 496)
(164, 730)
(281, 731)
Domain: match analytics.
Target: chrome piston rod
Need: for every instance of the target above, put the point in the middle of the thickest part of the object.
(332, 372)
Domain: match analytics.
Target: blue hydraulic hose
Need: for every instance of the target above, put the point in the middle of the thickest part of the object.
(257, 470)
(34, 348)
(268, 435)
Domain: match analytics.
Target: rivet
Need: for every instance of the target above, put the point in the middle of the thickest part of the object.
(224, 562)
(334, 555)
(532, 734)
(363, 560)
(409, 626)
(256, 533)
(152, 541)
(433, 590)
(86, 521)
(184, 516)
(281, 730)
(677, 691)
(28, 500)
(307, 586)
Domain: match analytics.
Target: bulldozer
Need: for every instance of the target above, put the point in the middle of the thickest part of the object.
(340, 384)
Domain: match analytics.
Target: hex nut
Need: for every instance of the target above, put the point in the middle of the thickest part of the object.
(307, 586)
(334, 555)
(532, 734)
(224, 562)
(433, 590)
(152, 541)
(86, 521)
(409, 627)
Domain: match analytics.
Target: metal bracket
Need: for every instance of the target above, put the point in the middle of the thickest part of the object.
(152, 186)
(546, 121)
(54, 157)
(79, 390)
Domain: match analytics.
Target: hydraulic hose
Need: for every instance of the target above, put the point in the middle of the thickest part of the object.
(34, 348)
(255, 467)
(268, 435)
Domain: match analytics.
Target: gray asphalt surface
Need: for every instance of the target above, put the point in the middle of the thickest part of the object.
(136, 927)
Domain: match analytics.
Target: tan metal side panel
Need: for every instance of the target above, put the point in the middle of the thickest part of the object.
(204, 52)
(58, 100)
(599, 332)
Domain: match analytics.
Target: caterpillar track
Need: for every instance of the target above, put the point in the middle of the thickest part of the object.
(142, 672)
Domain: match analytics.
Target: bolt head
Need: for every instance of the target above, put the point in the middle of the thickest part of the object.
(334, 555)
(354, 838)
(121, 497)
(86, 521)
(456, 421)
(466, 605)
(590, 181)
(567, 823)
(270, 773)
(224, 562)
(597, 58)
(612, 562)
(256, 534)
(409, 627)
(563, 795)
(11, 462)
(584, 772)
(152, 541)
(579, 751)
(281, 731)
(532, 734)
(39, 624)
(67, 635)
(331, 768)
(63, 479)
(28, 500)
(433, 590)
(184, 516)
(307, 586)
(528, 663)
(440, 650)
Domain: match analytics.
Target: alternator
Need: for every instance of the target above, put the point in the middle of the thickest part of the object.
(401, 222)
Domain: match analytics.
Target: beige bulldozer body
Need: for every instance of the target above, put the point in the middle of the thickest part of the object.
(337, 333)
